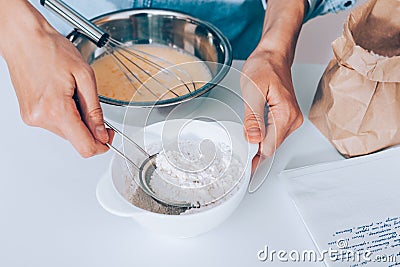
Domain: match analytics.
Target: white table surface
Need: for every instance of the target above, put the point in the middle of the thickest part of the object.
(50, 215)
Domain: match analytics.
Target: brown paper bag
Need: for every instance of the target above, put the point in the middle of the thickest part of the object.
(357, 104)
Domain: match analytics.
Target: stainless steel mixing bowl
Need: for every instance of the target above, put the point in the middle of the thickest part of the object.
(144, 26)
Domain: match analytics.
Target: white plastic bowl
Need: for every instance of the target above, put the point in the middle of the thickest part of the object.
(112, 188)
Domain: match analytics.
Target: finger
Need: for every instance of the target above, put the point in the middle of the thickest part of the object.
(111, 135)
(75, 130)
(55, 130)
(89, 103)
(254, 103)
(47, 125)
(255, 163)
(275, 134)
(43, 115)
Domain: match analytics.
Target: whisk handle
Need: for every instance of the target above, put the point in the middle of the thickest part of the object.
(83, 25)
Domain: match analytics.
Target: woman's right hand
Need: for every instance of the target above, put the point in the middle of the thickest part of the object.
(56, 88)
(267, 79)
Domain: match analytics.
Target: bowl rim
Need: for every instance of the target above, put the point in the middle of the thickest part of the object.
(224, 42)
(219, 206)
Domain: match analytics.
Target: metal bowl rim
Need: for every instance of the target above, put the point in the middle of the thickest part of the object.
(180, 15)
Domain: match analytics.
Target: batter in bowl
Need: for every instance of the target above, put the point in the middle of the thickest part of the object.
(147, 82)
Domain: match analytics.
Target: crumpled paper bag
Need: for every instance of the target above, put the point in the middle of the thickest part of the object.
(357, 103)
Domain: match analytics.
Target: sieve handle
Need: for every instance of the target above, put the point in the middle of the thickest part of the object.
(130, 141)
(83, 25)
(126, 138)
(118, 152)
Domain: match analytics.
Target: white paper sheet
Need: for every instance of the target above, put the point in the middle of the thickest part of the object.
(352, 207)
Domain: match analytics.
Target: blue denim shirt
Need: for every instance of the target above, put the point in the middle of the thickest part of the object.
(240, 20)
(321, 7)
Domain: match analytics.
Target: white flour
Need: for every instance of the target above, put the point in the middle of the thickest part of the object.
(185, 174)
(233, 174)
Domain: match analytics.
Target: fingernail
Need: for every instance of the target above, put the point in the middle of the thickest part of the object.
(100, 131)
(254, 132)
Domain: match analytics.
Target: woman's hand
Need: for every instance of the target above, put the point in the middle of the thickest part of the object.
(267, 79)
(56, 88)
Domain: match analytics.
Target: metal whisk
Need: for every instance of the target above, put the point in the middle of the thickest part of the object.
(125, 57)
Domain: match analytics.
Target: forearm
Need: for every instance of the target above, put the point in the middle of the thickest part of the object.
(19, 20)
(282, 25)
